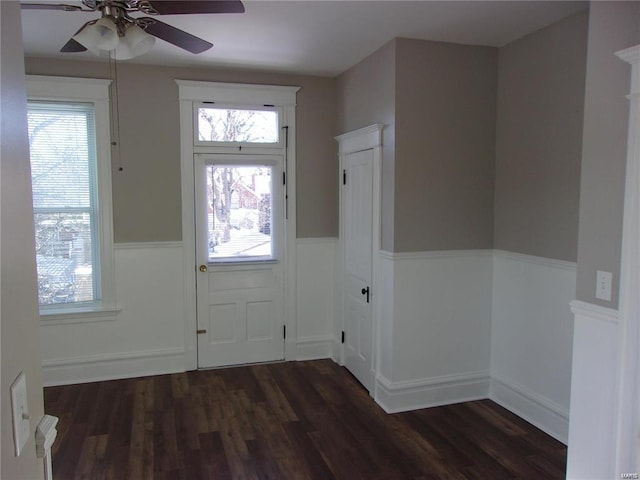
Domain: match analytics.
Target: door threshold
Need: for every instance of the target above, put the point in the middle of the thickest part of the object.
(234, 365)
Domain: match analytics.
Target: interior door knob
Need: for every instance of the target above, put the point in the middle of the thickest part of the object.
(203, 268)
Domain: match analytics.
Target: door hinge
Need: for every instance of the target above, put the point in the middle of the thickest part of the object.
(343, 336)
(344, 177)
(201, 332)
(284, 178)
(284, 331)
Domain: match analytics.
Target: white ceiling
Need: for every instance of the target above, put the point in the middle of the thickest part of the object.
(310, 36)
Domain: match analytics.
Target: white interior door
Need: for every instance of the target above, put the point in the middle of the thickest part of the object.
(358, 242)
(240, 281)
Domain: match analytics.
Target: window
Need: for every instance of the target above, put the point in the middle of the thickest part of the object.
(63, 166)
(70, 175)
(239, 206)
(232, 126)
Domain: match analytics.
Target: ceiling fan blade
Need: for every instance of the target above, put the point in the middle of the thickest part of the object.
(50, 6)
(174, 35)
(179, 7)
(72, 45)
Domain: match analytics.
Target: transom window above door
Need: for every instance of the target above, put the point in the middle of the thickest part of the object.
(234, 126)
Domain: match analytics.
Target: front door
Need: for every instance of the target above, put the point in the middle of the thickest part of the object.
(358, 243)
(240, 280)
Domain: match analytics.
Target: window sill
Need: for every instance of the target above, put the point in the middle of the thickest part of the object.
(85, 314)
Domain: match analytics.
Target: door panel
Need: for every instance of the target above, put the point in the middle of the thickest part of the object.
(240, 296)
(358, 241)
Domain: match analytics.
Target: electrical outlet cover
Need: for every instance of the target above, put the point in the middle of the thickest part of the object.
(603, 285)
(20, 412)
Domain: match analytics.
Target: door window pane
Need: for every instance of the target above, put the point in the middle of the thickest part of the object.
(239, 205)
(233, 125)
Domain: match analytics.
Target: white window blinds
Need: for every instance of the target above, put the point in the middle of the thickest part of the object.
(63, 172)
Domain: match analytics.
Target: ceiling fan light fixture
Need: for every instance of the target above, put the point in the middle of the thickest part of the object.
(134, 43)
(102, 35)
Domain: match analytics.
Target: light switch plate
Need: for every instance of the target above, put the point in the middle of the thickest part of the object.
(603, 285)
(20, 413)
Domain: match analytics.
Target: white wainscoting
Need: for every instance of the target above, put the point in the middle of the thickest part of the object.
(146, 334)
(145, 338)
(454, 326)
(531, 339)
(315, 267)
(440, 327)
(594, 393)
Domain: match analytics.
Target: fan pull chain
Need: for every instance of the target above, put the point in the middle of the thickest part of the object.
(115, 110)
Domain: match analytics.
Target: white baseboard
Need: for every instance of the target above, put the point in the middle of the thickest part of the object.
(548, 416)
(94, 368)
(396, 397)
(310, 348)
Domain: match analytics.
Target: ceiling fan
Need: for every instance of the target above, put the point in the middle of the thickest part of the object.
(130, 36)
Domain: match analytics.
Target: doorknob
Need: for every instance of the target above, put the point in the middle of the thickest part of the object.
(203, 268)
(365, 291)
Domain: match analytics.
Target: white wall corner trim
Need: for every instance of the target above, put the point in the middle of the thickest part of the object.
(402, 396)
(93, 368)
(548, 416)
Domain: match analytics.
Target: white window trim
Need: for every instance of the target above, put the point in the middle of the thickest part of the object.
(249, 95)
(94, 91)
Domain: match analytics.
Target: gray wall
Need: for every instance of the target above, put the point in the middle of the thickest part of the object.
(445, 138)
(20, 321)
(366, 95)
(437, 102)
(539, 140)
(613, 26)
(146, 194)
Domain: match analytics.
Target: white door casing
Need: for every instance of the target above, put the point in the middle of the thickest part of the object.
(190, 93)
(360, 166)
(628, 434)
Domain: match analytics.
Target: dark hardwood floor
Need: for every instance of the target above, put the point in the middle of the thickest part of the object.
(295, 420)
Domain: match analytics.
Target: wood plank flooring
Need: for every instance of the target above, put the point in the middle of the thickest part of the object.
(294, 420)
